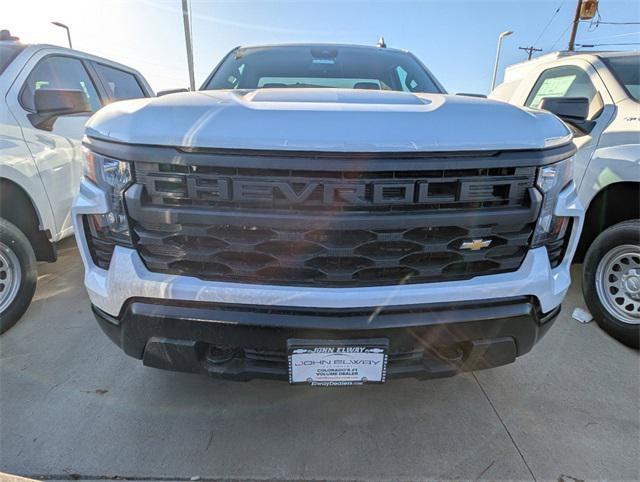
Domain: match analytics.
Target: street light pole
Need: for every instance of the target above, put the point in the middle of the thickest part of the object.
(58, 24)
(504, 34)
(187, 37)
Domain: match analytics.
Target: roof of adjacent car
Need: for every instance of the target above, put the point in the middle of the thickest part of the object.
(560, 54)
(32, 48)
(521, 69)
(613, 54)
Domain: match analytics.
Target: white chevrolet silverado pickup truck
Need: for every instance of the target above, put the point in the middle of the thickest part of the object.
(326, 215)
(598, 95)
(47, 93)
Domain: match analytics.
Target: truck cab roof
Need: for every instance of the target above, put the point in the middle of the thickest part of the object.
(522, 69)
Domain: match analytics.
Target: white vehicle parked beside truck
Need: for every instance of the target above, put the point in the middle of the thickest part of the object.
(326, 214)
(598, 95)
(46, 95)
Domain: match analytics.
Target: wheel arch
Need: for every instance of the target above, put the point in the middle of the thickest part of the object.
(17, 207)
(617, 202)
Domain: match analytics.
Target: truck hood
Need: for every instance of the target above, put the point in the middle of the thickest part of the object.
(339, 120)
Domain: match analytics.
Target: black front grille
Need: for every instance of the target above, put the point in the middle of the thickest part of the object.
(328, 256)
(331, 228)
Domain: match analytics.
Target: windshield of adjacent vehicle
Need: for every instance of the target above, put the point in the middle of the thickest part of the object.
(322, 66)
(7, 54)
(627, 70)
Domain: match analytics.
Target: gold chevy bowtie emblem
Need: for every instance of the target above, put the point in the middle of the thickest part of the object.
(475, 244)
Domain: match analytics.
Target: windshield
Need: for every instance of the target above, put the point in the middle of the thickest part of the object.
(7, 54)
(627, 71)
(322, 66)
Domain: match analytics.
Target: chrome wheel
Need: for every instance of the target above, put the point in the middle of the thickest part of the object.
(618, 283)
(10, 277)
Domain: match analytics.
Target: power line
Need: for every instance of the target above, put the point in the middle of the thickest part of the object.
(560, 37)
(549, 22)
(596, 23)
(593, 25)
(609, 37)
(603, 45)
(617, 23)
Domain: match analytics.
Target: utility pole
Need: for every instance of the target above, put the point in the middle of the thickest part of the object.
(530, 50)
(187, 38)
(574, 28)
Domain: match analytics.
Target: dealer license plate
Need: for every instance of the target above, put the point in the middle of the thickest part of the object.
(337, 362)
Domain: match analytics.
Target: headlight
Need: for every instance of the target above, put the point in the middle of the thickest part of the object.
(550, 181)
(113, 177)
(556, 176)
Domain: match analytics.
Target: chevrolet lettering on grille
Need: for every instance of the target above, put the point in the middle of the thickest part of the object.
(351, 193)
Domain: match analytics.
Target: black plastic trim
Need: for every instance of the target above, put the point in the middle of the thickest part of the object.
(361, 318)
(343, 161)
(175, 335)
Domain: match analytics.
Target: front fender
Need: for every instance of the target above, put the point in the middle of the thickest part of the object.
(610, 165)
(34, 189)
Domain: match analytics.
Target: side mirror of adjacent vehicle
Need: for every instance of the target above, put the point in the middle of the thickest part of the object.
(53, 103)
(171, 91)
(572, 110)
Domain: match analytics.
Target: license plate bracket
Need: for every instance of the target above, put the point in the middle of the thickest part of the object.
(337, 362)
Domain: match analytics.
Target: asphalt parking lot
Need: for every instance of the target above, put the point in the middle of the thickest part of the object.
(72, 406)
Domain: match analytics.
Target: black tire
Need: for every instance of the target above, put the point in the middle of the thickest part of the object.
(16, 248)
(615, 239)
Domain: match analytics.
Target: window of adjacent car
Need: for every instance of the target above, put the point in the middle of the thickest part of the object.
(565, 81)
(59, 72)
(627, 70)
(233, 79)
(120, 85)
(407, 84)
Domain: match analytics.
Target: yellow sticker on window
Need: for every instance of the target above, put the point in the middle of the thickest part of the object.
(553, 87)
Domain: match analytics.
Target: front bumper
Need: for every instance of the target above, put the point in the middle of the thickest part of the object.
(245, 342)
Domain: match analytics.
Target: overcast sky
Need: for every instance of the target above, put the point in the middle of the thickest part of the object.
(455, 39)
